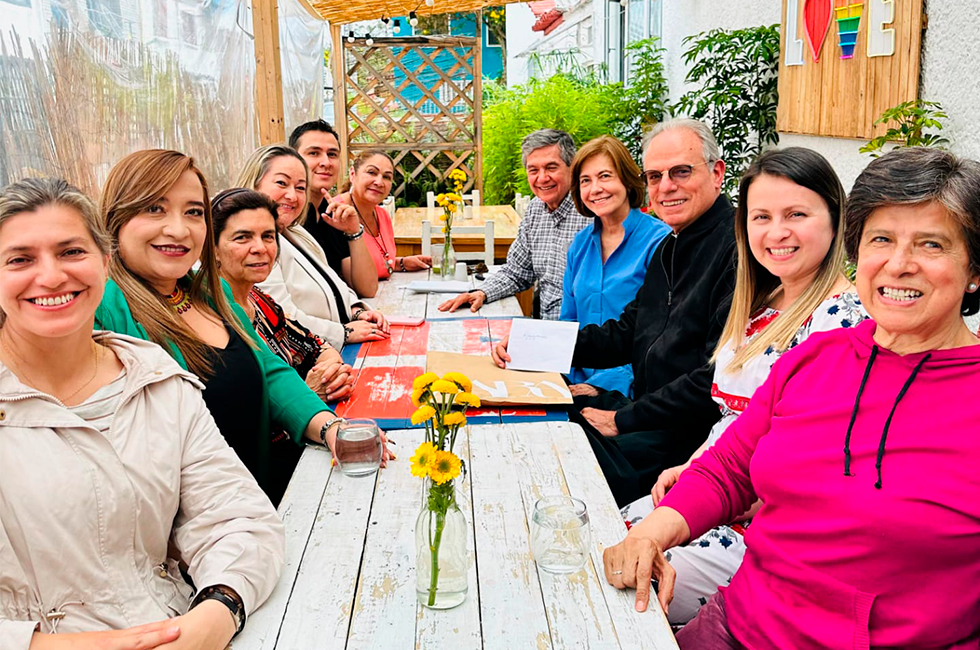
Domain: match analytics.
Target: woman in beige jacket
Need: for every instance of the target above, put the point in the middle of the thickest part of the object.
(107, 453)
(302, 281)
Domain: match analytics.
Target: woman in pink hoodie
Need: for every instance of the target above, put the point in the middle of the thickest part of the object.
(862, 445)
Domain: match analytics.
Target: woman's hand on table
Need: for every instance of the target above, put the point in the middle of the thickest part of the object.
(209, 626)
(666, 481)
(414, 263)
(639, 558)
(363, 330)
(474, 298)
(580, 390)
(603, 421)
(499, 352)
(376, 317)
(141, 637)
(332, 380)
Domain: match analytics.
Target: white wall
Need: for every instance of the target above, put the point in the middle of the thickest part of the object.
(520, 19)
(948, 73)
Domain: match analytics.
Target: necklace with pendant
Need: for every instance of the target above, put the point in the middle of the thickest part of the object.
(179, 300)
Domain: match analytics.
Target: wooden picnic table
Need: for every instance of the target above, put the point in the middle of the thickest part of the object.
(395, 299)
(349, 575)
(408, 229)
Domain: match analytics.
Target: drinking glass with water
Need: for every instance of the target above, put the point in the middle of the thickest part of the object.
(359, 448)
(560, 536)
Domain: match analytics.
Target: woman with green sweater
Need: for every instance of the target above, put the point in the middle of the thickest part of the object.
(155, 206)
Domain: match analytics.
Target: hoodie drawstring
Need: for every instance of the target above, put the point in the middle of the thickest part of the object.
(888, 422)
(854, 413)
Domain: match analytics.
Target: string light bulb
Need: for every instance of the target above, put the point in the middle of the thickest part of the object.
(413, 19)
(350, 36)
(623, 3)
(398, 26)
(368, 40)
(429, 3)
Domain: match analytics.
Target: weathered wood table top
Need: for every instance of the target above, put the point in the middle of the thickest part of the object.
(407, 223)
(349, 578)
(395, 299)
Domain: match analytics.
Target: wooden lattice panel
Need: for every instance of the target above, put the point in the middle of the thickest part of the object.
(419, 99)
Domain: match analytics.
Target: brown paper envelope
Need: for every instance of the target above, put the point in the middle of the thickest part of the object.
(495, 386)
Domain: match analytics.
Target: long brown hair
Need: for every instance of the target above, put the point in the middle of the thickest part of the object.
(134, 184)
(755, 286)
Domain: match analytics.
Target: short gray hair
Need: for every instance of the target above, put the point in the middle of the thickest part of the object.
(545, 138)
(709, 146)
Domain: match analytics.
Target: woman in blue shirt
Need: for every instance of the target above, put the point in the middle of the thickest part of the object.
(607, 260)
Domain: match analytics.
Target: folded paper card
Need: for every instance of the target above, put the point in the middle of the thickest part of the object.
(495, 386)
(436, 286)
(542, 345)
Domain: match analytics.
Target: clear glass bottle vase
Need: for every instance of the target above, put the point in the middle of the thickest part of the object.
(441, 559)
(445, 262)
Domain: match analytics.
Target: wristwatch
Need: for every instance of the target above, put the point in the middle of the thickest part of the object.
(227, 597)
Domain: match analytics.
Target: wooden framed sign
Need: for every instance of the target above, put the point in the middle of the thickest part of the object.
(844, 62)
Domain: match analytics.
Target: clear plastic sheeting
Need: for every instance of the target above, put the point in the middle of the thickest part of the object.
(85, 82)
(303, 39)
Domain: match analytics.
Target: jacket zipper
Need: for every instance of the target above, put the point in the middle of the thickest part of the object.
(670, 276)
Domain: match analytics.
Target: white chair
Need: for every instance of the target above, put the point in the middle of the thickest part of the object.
(476, 256)
(389, 206)
(520, 204)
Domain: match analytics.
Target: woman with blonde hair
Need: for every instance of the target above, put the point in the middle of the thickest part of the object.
(368, 185)
(107, 456)
(302, 281)
(608, 260)
(156, 209)
(790, 283)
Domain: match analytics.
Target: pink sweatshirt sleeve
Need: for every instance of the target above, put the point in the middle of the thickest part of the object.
(717, 487)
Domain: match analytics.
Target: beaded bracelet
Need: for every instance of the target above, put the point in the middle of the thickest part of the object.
(358, 312)
(348, 330)
(401, 265)
(357, 235)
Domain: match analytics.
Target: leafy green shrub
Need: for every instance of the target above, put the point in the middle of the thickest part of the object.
(645, 99)
(585, 110)
(736, 74)
(912, 118)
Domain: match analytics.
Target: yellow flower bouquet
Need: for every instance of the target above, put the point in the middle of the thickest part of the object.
(452, 205)
(440, 532)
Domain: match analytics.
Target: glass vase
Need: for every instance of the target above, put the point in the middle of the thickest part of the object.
(441, 560)
(444, 260)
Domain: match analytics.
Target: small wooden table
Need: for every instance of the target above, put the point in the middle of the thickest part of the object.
(349, 577)
(408, 229)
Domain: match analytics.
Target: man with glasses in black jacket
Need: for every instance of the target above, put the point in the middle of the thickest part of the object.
(669, 331)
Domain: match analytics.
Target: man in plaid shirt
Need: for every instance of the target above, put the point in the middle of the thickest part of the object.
(548, 227)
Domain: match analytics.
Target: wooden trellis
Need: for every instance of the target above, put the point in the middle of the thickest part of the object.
(418, 98)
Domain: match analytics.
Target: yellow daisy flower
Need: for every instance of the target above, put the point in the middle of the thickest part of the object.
(469, 399)
(417, 396)
(424, 380)
(423, 458)
(445, 230)
(460, 379)
(445, 466)
(451, 207)
(454, 418)
(444, 387)
(423, 414)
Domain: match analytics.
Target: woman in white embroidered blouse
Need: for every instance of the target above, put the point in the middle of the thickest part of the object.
(790, 283)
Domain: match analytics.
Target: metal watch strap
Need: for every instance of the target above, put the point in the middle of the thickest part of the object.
(227, 597)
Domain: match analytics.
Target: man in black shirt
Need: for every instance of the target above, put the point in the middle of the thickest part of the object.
(335, 227)
(669, 331)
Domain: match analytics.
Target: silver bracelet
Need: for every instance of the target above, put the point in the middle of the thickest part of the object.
(326, 426)
(357, 235)
(358, 312)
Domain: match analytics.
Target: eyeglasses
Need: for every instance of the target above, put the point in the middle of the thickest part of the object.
(677, 173)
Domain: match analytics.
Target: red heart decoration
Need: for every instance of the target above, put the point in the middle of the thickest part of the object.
(816, 21)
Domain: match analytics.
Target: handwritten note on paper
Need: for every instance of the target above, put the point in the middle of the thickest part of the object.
(495, 386)
(542, 345)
